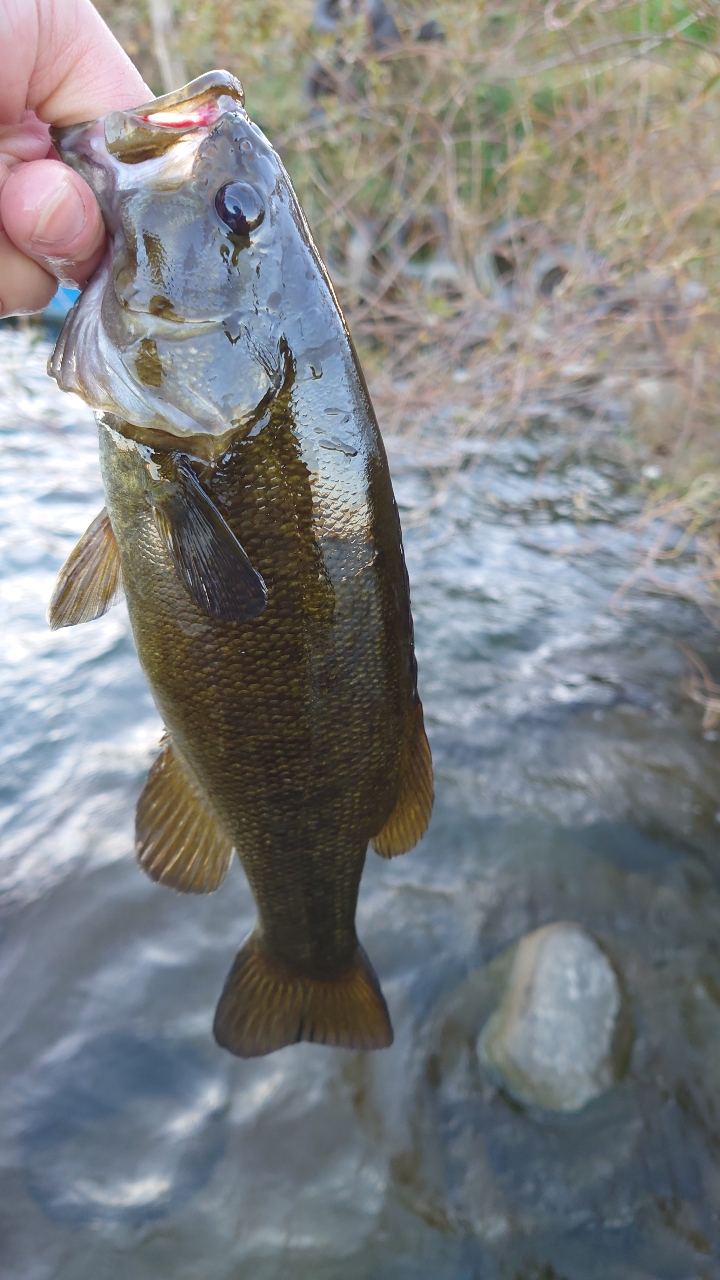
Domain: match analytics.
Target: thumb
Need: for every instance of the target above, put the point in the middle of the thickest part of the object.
(51, 215)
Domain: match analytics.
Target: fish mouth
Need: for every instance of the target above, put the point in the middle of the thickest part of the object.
(148, 131)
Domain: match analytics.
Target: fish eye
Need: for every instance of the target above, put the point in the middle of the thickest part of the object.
(240, 207)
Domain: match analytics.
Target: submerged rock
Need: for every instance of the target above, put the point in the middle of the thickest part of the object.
(553, 1042)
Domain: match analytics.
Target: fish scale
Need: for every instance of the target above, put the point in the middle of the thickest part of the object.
(251, 520)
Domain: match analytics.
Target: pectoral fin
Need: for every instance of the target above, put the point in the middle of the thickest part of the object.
(179, 841)
(90, 581)
(411, 815)
(207, 556)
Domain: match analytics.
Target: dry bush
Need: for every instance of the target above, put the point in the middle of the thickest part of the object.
(520, 214)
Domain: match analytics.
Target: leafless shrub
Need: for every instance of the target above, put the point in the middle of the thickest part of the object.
(519, 207)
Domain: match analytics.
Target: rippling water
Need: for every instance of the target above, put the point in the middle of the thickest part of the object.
(573, 783)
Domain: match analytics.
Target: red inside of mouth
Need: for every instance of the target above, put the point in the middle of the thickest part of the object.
(206, 114)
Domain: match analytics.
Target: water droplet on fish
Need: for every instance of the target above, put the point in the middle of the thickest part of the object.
(338, 413)
(233, 330)
(259, 426)
(332, 442)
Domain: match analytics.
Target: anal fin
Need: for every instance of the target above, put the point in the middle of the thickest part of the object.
(411, 815)
(90, 581)
(265, 1005)
(178, 840)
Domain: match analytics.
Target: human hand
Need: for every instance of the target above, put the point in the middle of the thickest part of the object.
(59, 64)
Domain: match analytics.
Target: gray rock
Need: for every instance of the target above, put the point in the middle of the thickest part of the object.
(552, 1042)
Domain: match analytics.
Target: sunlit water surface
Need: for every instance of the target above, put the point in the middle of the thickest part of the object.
(573, 782)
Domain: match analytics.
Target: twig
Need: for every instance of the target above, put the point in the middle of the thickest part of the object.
(170, 64)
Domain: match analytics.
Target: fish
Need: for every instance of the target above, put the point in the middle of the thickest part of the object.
(251, 525)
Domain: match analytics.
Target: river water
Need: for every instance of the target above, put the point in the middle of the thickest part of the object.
(574, 782)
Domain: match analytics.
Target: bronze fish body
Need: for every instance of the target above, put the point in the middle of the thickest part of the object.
(251, 522)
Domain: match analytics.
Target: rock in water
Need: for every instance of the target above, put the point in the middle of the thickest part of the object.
(553, 1040)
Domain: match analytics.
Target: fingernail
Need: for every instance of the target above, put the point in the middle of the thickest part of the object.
(62, 217)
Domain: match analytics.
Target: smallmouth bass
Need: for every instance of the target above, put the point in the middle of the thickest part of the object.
(251, 523)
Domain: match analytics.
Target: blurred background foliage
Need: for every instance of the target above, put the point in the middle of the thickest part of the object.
(430, 125)
(519, 203)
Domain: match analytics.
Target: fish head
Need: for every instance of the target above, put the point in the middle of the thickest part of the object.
(184, 184)
(205, 229)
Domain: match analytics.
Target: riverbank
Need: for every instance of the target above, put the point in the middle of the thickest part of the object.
(518, 205)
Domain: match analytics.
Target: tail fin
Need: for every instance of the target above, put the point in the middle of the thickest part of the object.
(264, 1006)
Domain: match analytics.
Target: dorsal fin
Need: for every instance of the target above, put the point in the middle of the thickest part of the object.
(90, 581)
(178, 839)
(411, 815)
